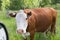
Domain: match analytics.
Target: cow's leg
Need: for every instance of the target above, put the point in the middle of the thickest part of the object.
(53, 28)
(32, 35)
(54, 16)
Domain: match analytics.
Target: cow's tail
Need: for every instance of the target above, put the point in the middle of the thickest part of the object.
(54, 16)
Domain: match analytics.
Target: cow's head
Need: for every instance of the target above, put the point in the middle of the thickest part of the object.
(22, 17)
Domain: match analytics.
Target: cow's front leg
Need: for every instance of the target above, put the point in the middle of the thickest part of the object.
(32, 35)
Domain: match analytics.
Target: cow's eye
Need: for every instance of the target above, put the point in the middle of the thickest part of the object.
(26, 18)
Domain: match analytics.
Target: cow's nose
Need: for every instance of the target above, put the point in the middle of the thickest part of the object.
(20, 31)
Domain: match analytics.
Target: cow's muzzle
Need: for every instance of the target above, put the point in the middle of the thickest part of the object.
(20, 31)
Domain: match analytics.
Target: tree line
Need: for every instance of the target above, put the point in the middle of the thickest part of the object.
(22, 4)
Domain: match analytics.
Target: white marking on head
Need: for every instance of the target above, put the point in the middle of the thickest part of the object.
(21, 20)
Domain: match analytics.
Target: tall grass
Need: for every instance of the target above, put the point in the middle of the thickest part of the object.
(11, 27)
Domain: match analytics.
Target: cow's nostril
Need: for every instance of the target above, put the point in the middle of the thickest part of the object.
(20, 31)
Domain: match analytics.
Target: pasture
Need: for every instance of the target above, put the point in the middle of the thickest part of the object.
(11, 27)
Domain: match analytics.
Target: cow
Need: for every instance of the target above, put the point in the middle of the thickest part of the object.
(35, 20)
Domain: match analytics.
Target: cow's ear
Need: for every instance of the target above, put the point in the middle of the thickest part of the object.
(29, 14)
(13, 14)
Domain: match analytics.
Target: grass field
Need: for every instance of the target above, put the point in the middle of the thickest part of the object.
(11, 27)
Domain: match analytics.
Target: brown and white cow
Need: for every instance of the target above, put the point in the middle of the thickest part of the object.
(35, 20)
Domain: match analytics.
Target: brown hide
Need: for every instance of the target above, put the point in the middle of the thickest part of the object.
(40, 20)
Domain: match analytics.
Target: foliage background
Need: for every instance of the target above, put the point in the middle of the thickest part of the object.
(21, 4)
(15, 5)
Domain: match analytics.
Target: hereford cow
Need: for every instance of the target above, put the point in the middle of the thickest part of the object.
(35, 20)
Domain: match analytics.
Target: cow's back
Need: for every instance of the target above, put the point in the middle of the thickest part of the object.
(40, 19)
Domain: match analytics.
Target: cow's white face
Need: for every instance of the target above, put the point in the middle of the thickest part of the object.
(21, 21)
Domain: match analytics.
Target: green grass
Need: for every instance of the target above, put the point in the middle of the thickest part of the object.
(11, 27)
